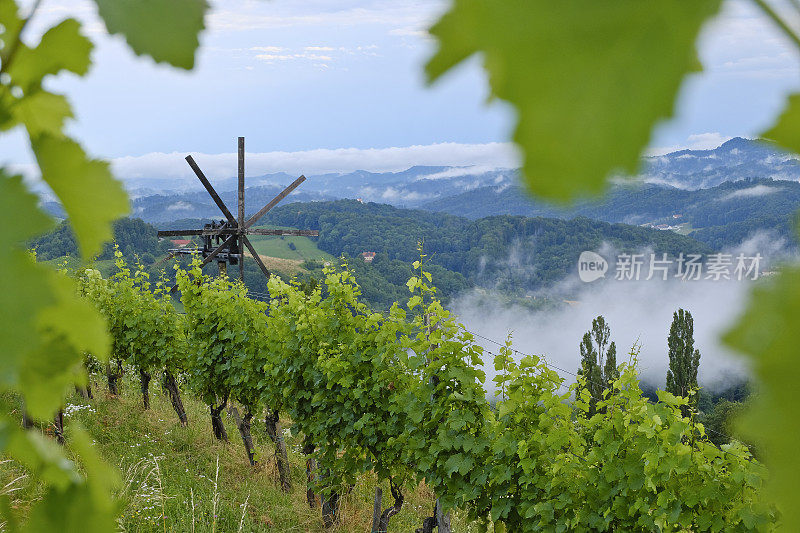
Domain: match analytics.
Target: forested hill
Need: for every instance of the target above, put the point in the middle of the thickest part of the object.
(132, 235)
(511, 252)
(720, 216)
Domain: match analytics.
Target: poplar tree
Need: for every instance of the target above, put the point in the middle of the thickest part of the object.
(598, 361)
(684, 359)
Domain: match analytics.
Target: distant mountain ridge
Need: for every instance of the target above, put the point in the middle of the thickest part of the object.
(478, 192)
(720, 216)
(734, 160)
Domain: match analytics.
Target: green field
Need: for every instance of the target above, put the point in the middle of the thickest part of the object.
(305, 247)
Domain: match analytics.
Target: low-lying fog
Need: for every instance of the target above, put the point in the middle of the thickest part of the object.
(638, 312)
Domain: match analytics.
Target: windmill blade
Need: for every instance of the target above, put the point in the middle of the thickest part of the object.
(210, 189)
(217, 250)
(241, 202)
(255, 256)
(253, 219)
(285, 232)
(211, 256)
(180, 232)
(164, 260)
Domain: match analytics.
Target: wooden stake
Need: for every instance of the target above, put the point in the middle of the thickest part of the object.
(442, 519)
(376, 509)
(241, 207)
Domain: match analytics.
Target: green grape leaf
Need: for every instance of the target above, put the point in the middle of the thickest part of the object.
(67, 328)
(23, 285)
(10, 24)
(767, 332)
(90, 195)
(62, 47)
(19, 211)
(166, 31)
(44, 326)
(42, 113)
(102, 477)
(21, 298)
(74, 320)
(40, 455)
(71, 510)
(786, 131)
(588, 79)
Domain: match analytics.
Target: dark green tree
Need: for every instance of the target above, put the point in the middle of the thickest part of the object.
(598, 361)
(684, 359)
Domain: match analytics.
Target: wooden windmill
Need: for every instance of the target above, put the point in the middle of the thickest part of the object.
(224, 241)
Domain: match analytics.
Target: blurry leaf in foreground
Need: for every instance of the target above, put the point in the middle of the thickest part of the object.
(91, 197)
(588, 79)
(166, 31)
(44, 326)
(62, 47)
(767, 332)
(786, 131)
(23, 291)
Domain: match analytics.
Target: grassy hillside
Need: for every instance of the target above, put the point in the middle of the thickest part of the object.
(181, 479)
(282, 247)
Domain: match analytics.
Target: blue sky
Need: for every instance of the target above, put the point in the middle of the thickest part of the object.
(336, 85)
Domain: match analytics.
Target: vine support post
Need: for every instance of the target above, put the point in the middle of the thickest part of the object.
(83, 392)
(441, 520)
(145, 377)
(27, 421)
(175, 396)
(330, 507)
(243, 423)
(273, 427)
(216, 420)
(58, 426)
(240, 190)
(311, 469)
(376, 509)
(112, 376)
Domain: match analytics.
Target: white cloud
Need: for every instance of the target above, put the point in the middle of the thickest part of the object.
(706, 141)
(751, 192)
(291, 57)
(245, 15)
(312, 54)
(458, 172)
(268, 49)
(321, 161)
(696, 141)
(397, 195)
(180, 206)
(410, 31)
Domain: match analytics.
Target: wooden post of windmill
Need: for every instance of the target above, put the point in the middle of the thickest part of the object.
(240, 199)
(233, 231)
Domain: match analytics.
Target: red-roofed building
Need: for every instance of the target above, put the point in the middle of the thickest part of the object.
(180, 243)
(368, 256)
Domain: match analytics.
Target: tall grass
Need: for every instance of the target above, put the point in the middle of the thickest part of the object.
(181, 479)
